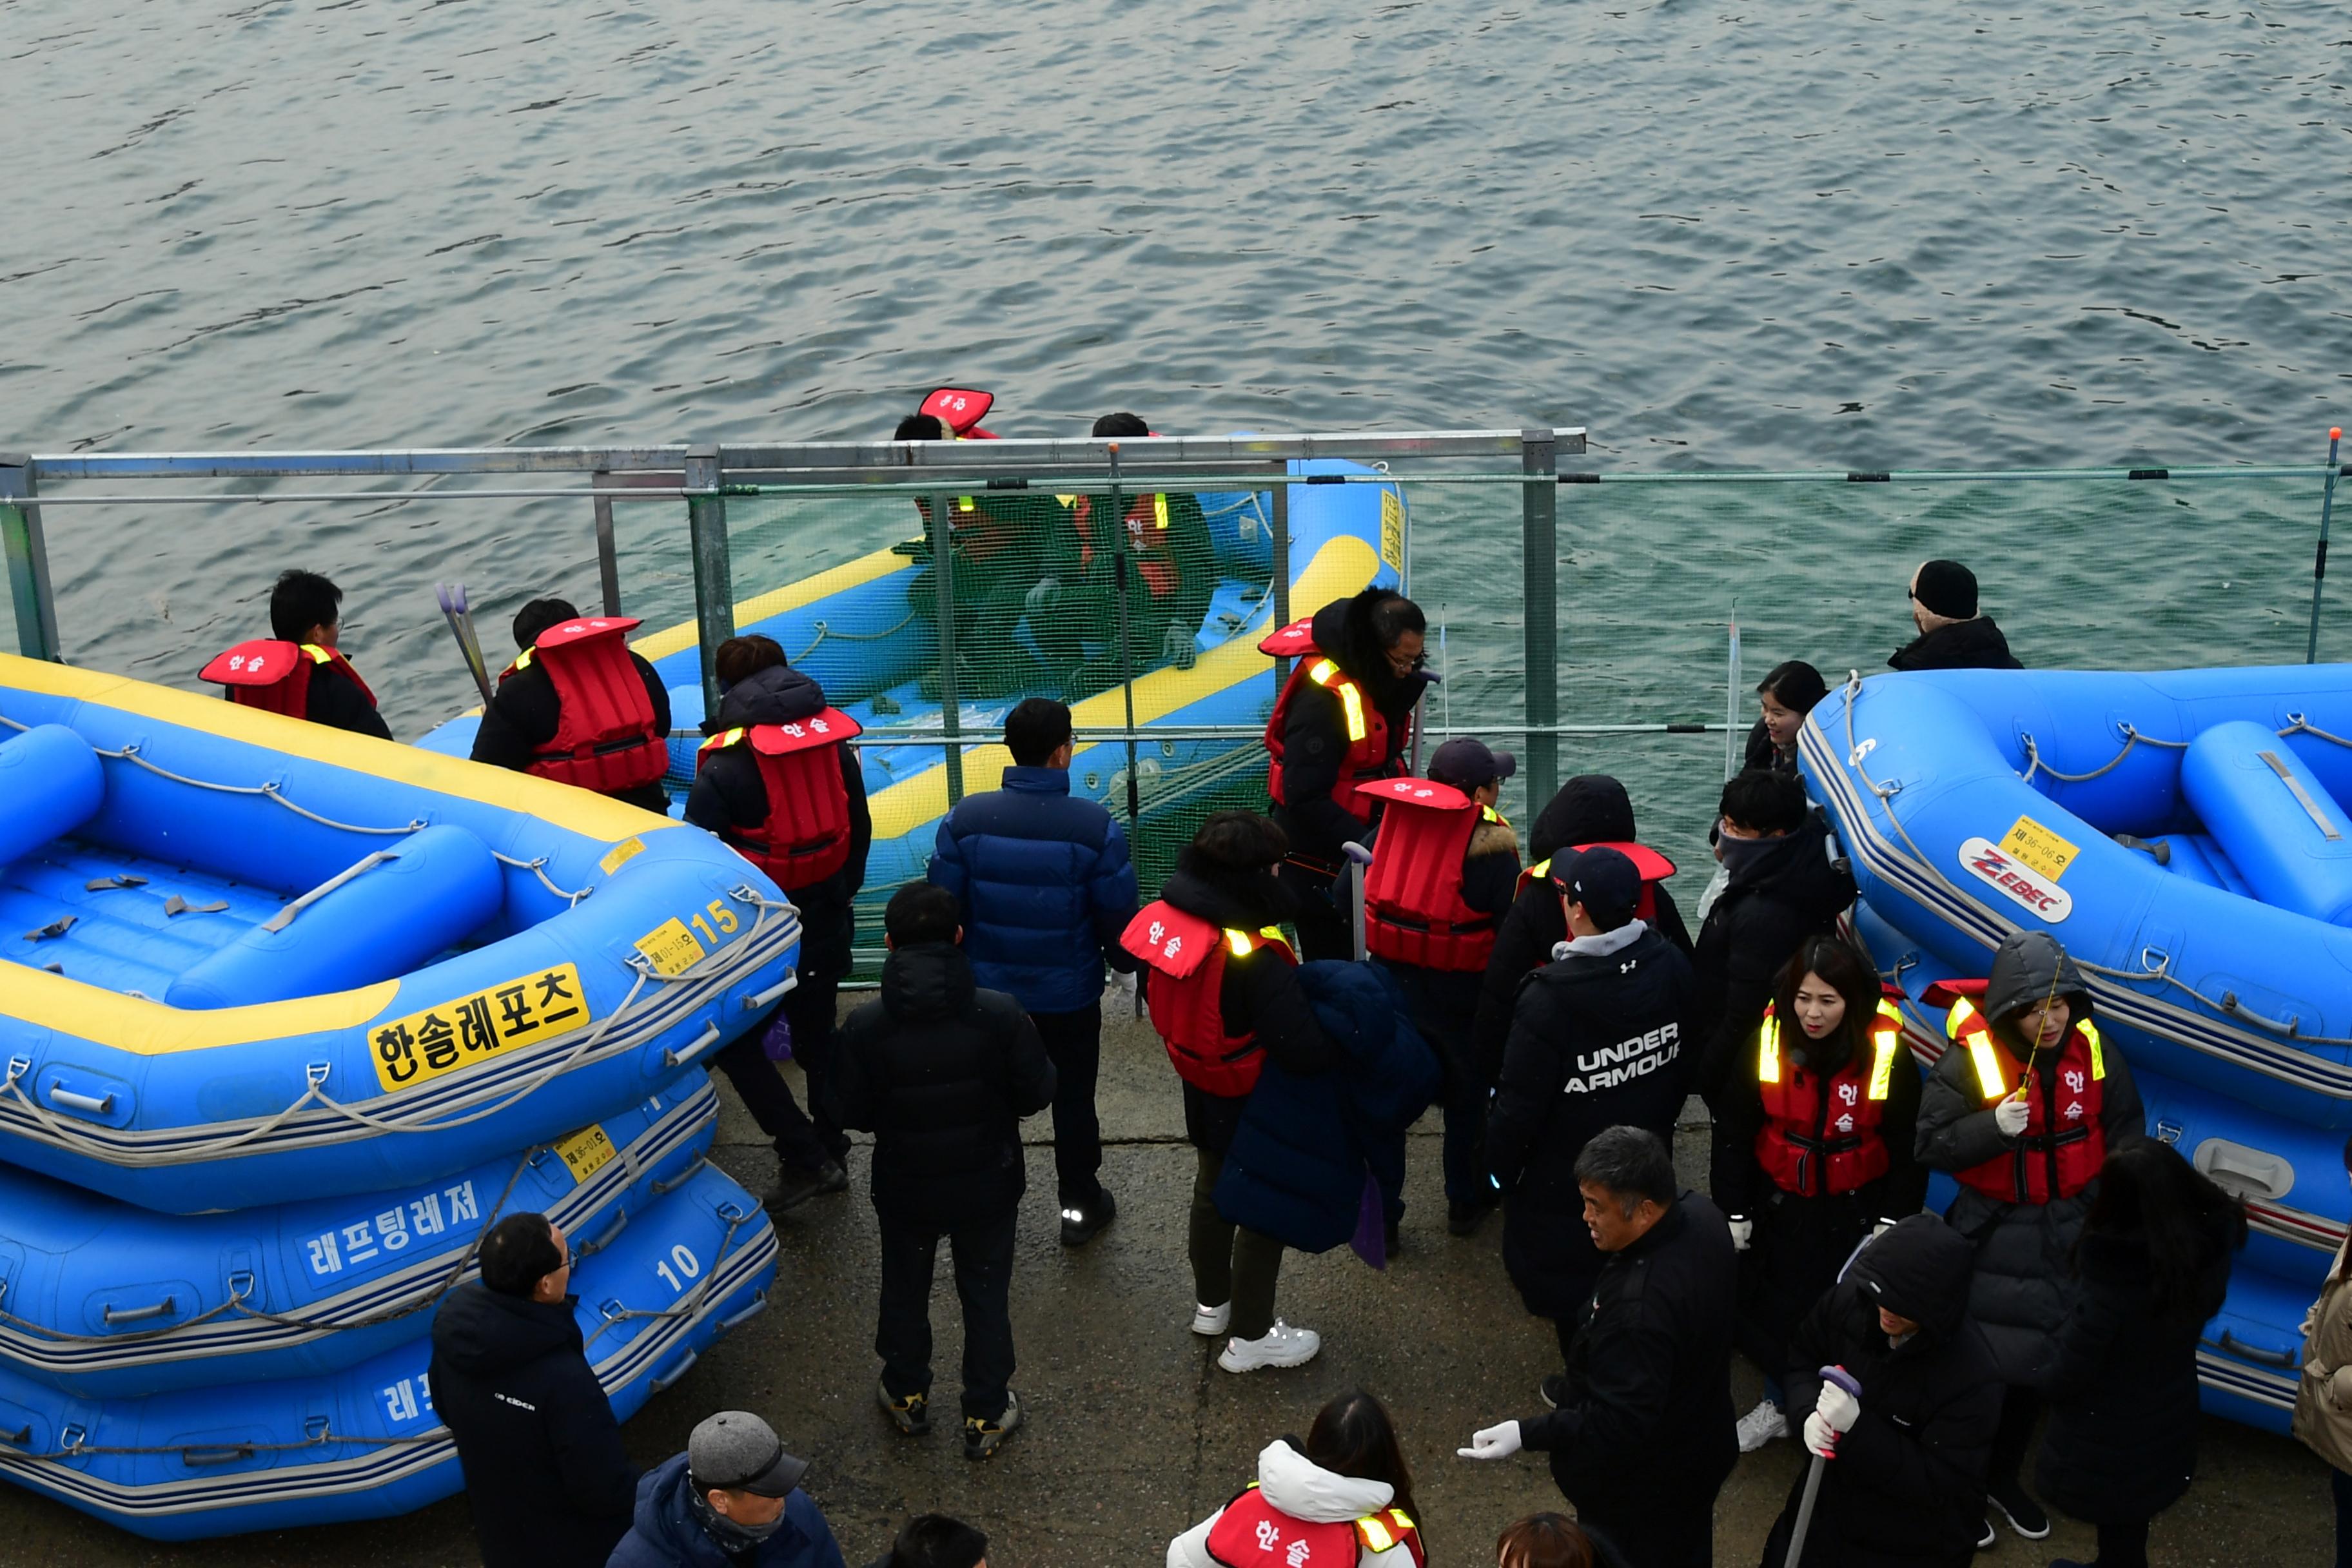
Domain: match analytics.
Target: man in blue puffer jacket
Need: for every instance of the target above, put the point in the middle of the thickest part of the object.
(1045, 886)
(1300, 1159)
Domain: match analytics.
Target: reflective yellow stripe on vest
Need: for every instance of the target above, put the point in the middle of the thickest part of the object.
(1988, 1074)
(1380, 1530)
(2098, 1052)
(1541, 869)
(1957, 1019)
(1490, 815)
(1767, 1051)
(1159, 511)
(1889, 1037)
(1324, 673)
(723, 738)
(318, 655)
(1243, 944)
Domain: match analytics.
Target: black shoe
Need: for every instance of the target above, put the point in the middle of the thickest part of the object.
(981, 1438)
(1082, 1222)
(1553, 1389)
(1463, 1219)
(2024, 1515)
(1989, 1538)
(832, 1176)
(911, 1416)
(1391, 1242)
(795, 1185)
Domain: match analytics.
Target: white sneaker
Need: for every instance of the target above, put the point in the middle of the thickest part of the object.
(1209, 1323)
(1282, 1346)
(1760, 1426)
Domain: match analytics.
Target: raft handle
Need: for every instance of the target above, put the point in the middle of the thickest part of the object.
(662, 1188)
(2230, 1005)
(226, 1454)
(88, 1104)
(669, 1379)
(759, 1305)
(620, 1223)
(671, 1058)
(754, 1003)
(21, 1438)
(2238, 1347)
(162, 1309)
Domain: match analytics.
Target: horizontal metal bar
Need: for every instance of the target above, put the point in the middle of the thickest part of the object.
(896, 737)
(1957, 476)
(233, 498)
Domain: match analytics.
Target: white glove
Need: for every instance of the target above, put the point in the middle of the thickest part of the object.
(1838, 1407)
(1493, 1442)
(1880, 1229)
(2011, 1115)
(1179, 645)
(1821, 1437)
(1743, 1231)
(1043, 596)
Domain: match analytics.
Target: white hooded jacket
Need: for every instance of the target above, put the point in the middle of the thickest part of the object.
(1297, 1486)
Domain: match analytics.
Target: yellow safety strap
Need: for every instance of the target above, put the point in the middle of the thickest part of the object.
(1882, 1070)
(1327, 674)
(1159, 510)
(965, 503)
(1957, 1019)
(2098, 1051)
(318, 655)
(1239, 941)
(1375, 1533)
(1541, 869)
(1491, 815)
(1767, 1049)
(724, 738)
(1988, 1074)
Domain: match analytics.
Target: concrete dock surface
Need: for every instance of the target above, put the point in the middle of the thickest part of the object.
(1132, 1432)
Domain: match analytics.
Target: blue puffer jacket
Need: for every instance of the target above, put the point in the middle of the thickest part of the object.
(1045, 887)
(1296, 1169)
(666, 1535)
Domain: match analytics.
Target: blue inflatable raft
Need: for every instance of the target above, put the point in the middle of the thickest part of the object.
(251, 956)
(365, 1443)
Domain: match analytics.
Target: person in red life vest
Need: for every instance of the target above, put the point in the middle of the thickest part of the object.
(2023, 1107)
(1813, 1153)
(1344, 719)
(1587, 810)
(577, 706)
(1444, 864)
(790, 798)
(1171, 575)
(302, 672)
(1225, 996)
(1341, 1499)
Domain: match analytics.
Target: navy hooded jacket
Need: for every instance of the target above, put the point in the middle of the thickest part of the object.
(1296, 1169)
(666, 1534)
(1045, 885)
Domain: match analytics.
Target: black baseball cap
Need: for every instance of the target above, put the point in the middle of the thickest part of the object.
(1467, 764)
(735, 1451)
(1604, 881)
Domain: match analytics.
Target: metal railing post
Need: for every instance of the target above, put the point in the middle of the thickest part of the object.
(1279, 525)
(608, 562)
(943, 587)
(2319, 563)
(1120, 567)
(714, 588)
(1539, 573)
(29, 592)
(1733, 754)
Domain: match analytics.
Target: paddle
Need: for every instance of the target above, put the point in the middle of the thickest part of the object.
(452, 597)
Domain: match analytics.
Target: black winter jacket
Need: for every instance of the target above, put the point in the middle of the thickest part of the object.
(729, 796)
(337, 703)
(1260, 993)
(1964, 644)
(546, 1475)
(1761, 755)
(1647, 1423)
(1314, 739)
(1908, 1487)
(2121, 1445)
(2023, 1288)
(1597, 1040)
(942, 1073)
(1772, 903)
(524, 715)
(1591, 808)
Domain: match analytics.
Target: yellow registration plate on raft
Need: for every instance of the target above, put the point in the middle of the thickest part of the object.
(467, 1029)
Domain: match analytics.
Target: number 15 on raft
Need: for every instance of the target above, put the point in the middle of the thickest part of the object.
(672, 948)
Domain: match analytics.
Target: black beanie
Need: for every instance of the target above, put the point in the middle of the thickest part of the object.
(1947, 588)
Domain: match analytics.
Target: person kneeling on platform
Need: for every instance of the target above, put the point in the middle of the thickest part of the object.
(941, 1072)
(301, 673)
(734, 1499)
(579, 706)
(780, 784)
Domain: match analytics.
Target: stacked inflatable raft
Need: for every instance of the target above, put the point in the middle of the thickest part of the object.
(290, 1019)
(2183, 835)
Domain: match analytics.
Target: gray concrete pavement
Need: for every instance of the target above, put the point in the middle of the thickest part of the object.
(1133, 1433)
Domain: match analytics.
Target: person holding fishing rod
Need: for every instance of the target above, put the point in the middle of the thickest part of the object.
(2023, 1109)
(576, 705)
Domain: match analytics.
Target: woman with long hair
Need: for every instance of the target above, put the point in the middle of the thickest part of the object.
(1347, 1482)
(1552, 1540)
(2323, 1401)
(2154, 1265)
(1786, 696)
(1813, 1150)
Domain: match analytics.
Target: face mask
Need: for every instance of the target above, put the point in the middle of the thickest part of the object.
(1739, 854)
(732, 1535)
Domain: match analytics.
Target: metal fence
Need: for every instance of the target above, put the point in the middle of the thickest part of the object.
(1593, 621)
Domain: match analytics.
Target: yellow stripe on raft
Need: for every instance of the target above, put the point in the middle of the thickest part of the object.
(152, 1029)
(1341, 567)
(578, 811)
(807, 591)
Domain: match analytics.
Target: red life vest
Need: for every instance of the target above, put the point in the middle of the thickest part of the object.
(1820, 1138)
(1365, 726)
(805, 837)
(1413, 912)
(1652, 867)
(2064, 1144)
(275, 676)
(1187, 956)
(959, 410)
(606, 739)
(1253, 1533)
(1150, 545)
